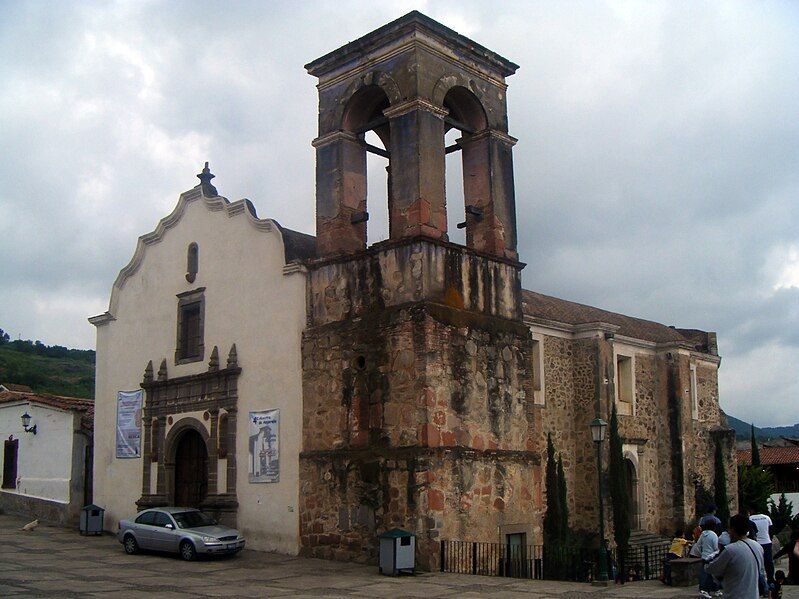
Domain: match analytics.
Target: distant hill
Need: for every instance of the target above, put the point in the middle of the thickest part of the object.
(742, 430)
(47, 368)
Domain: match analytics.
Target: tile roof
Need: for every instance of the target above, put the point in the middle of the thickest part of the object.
(16, 387)
(770, 456)
(55, 401)
(298, 246)
(563, 311)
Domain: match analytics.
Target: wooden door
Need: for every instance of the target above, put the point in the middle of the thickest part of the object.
(191, 470)
(10, 452)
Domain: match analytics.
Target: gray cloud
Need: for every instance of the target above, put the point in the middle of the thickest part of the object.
(657, 168)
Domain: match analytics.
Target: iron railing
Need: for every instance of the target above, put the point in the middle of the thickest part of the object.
(537, 562)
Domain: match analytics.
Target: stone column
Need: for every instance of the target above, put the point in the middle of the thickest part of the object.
(213, 453)
(160, 441)
(418, 200)
(642, 478)
(146, 464)
(488, 185)
(231, 449)
(340, 193)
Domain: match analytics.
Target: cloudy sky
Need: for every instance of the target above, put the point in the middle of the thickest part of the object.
(657, 171)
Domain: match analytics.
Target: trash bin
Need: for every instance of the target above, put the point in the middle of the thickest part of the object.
(397, 552)
(91, 520)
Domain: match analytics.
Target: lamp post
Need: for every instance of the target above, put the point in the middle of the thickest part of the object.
(598, 428)
(26, 420)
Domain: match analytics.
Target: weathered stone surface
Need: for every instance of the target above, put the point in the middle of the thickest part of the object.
(416, 416)
(670, 451)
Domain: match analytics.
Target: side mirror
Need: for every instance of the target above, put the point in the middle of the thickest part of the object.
(169, 526)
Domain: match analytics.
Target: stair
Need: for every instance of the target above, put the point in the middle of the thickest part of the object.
(644, 537)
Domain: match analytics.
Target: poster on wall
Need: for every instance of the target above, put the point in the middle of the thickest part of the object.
(129, 424)
(264, 456)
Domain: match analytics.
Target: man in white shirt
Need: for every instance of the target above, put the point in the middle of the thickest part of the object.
(764, 524)
(738, 567)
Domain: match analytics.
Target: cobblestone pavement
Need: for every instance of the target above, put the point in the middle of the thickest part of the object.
(53, 561)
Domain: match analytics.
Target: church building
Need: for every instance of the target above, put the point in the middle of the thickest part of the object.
(318, 391)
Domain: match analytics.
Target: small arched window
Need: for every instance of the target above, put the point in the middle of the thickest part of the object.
(192, 262)
(222, 436)
(154, 440)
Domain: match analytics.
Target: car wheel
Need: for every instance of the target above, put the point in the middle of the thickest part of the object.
(187, 551)
(130, 545)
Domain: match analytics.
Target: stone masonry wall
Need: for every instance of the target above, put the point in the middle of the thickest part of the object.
(578, 373)
(416, 416)
(569, 377)
(711, 424)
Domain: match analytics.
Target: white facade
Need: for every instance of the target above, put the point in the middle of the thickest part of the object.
(50, 464)
(251, 299)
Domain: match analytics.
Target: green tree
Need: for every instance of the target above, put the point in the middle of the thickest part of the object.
(4, 337)
(720, 487)
(755, 486)
(781, 513)
(755, 449)
(564, 506)
(552, 519)
(620, 499)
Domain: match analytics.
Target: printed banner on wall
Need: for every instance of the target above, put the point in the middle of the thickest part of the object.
(129, 423)
(264, 446)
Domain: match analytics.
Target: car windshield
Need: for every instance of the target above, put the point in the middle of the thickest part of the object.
(192, 519)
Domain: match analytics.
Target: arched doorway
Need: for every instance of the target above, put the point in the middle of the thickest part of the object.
(632, 492)
(191, 469)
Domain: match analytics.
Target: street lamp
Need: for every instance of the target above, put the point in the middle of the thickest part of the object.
(598, 428)
(26, 421)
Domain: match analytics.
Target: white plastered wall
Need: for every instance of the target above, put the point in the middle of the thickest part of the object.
(44, 460)
(249, 301)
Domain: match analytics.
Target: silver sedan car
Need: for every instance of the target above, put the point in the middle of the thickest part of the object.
(180, 530)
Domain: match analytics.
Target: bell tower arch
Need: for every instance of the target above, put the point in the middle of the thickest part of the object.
(410, 81)
(416, 360)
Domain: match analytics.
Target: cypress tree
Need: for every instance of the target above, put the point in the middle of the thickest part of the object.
(617, 473)
(755, 449)
(552, 518)
(720, 487)
(564, 506)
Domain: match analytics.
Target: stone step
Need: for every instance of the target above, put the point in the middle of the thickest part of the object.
(644, 537)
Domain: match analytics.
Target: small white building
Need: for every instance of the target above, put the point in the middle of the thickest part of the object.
(46, 464)
(197, 356)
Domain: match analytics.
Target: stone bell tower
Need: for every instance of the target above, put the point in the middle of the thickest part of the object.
(417, 391)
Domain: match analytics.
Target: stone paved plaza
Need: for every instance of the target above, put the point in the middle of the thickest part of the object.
(51, 562)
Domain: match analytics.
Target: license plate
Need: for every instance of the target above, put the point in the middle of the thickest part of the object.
(230, 546)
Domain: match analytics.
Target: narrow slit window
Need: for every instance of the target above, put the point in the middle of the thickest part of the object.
(192, 262)
(694, 394)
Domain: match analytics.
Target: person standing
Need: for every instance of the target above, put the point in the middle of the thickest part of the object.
(710, 515)
(738, 567)
(706, 547)
(764, 524)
